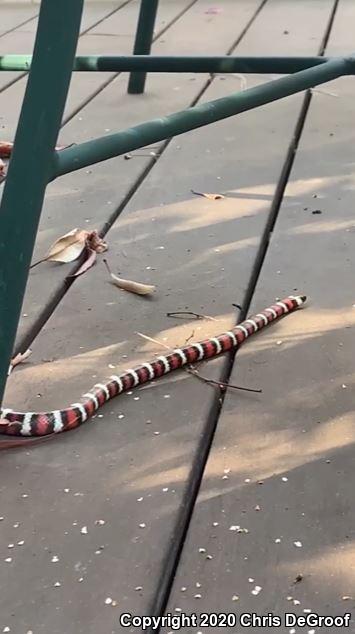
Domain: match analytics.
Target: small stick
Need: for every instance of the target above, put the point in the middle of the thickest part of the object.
(190, 312)
(107, 266)
(160, 343)
(190, 337)
(194, 372)
(37, 263)
(220, 384)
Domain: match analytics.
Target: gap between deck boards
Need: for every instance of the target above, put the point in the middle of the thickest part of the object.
(169, 567)
(316, 356)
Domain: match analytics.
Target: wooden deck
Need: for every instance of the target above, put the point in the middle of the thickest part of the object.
(133, 512)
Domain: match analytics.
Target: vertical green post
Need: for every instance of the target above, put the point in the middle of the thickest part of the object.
(143, 42)
(31, 163)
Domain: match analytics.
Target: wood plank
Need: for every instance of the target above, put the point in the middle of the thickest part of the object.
(13, 19)
(94, 11)
(209, 251)
(115, 35)
(92, 195)
(290, 452)
(22, 41)
(12, 16)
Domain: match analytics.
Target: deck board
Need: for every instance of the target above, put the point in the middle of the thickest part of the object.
(14, 16)
(92, 195)
(111, 463)
(21, 41)
(290, 451)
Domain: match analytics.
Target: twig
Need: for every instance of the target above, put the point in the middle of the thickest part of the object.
(107, 265)
(39, 262)
(190, 312)
(220, 384)
(190, 337)
(160, 343)
(191, 370)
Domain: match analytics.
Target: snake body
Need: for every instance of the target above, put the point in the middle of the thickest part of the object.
(32, 424)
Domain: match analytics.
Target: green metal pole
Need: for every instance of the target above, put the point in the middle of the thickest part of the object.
(177, 64)
(156, 130)
(143, 42)
(32, 160)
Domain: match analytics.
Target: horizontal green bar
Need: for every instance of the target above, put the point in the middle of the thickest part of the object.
(204, 64)
(103, 148)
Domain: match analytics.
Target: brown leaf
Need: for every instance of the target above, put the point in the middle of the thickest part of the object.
(19, 358)
(209, 196)
(96, 243)
(68, 247)
(87, 264)
(133, 287)
(129, 285)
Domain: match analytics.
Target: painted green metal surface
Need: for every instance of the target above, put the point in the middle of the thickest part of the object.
(177, 64)
(143, 42)
(26, 181)
(156, 130)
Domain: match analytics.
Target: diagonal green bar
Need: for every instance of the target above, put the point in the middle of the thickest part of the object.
(156, 130)
(177, 64)
(30, 164)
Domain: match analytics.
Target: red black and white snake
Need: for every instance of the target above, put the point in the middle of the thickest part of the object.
(32, 424)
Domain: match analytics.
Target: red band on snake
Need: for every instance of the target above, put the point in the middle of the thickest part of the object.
(37, 425)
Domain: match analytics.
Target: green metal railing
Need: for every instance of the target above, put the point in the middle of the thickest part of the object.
(173, 64)
(143, 42)
(42, 110)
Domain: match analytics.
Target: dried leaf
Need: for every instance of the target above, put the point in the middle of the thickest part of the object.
(133, 287)
(96, 243)
(209, 196)
(68, 247)
(87, 264)
(130, 285)
(19, 358)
